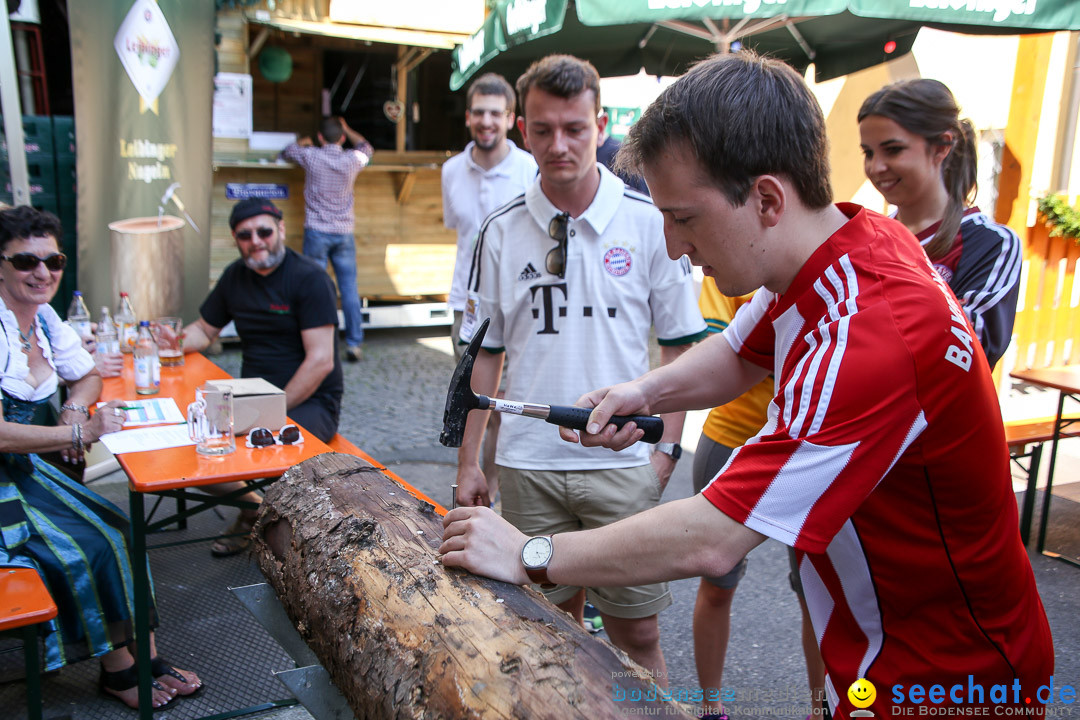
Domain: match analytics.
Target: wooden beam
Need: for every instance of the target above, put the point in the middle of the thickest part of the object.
(419, 57)
(402, 97)
(1025, 108)
(404, 182)
(258, 42)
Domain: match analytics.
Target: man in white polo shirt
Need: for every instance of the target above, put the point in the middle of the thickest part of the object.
(573, 275)
(491, 171)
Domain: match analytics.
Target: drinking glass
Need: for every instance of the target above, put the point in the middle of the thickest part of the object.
(170, 340)
(210, 421)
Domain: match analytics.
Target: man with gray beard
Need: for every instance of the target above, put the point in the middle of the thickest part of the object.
(284, 307)
(285, 310)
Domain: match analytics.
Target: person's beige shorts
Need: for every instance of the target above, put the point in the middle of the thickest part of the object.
(543, 502)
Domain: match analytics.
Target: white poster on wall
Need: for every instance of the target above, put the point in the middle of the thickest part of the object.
(232, 105)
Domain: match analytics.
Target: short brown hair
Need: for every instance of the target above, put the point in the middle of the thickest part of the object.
(491, 84)
(742, 115)
(330, 129)
(563, 76)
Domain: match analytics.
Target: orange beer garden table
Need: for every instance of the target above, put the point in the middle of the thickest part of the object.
(1066, 380)
(174, 472)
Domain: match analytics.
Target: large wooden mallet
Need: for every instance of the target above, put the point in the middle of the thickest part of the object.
(460, 399)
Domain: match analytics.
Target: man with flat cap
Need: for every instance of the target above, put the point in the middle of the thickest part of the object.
(285, 310)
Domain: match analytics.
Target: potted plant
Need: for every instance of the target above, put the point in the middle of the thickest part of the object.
(1062, 218)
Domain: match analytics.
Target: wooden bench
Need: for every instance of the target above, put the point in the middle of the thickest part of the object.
(340, 444)
(24, 604)
(1025, 439)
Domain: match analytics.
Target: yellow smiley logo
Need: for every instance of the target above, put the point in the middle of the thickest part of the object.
(862, 693)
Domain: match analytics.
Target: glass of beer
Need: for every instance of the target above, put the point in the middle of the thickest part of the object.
(170, 340)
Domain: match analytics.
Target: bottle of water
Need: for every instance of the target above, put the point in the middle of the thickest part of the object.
(127, 328)
(107, 341)
(78, 317)
(147, 364)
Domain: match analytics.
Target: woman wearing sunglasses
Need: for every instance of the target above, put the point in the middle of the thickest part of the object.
(74, 538)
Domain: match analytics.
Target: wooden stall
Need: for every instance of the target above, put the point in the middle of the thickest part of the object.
(367, 73)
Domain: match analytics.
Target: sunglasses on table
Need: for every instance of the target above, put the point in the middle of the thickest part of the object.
(264, 233)
(260, 437)
(29, 261)
(555, 262)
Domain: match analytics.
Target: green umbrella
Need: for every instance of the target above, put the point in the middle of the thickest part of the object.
(666, 36)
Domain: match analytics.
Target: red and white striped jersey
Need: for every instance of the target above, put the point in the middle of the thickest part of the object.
(884, 462)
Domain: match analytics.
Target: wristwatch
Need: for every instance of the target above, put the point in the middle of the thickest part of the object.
(670, 448)
(535, 556)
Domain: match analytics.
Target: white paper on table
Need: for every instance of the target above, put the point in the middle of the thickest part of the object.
(150, 438)
(152, 411)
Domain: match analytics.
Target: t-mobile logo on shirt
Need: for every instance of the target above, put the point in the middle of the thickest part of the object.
(547, 309)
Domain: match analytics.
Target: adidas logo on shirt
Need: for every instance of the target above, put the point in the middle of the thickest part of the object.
(529, 273)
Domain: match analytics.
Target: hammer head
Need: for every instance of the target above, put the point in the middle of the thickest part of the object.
(460, 398)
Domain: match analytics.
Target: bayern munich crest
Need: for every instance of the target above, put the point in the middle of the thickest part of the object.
(945, 272)
(617, 261)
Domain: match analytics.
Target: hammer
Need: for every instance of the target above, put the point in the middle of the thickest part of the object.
(170, 194)
(460, 399)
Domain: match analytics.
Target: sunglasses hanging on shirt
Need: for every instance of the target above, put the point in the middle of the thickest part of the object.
(555, 262)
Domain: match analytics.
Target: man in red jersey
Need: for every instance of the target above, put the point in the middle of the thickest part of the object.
(883, 461)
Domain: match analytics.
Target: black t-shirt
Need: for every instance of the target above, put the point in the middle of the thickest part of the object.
(270, 312)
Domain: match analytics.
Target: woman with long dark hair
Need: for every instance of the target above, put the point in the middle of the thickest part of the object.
(921, 156)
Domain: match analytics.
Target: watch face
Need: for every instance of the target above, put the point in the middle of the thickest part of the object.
(537, 552)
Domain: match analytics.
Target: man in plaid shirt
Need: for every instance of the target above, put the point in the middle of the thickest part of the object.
(328, 221)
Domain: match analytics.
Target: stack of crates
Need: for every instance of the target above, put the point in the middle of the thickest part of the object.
(50, 164)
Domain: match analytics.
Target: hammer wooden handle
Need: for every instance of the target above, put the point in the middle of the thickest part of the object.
(578, 417)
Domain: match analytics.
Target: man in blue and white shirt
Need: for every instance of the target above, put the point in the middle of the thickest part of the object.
(329, 219)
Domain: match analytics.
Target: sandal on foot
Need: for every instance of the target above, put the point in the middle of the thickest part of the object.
(160, 667)
(226, 546)
(119, 681)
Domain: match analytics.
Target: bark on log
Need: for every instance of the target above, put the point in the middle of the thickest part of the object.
(353, 558)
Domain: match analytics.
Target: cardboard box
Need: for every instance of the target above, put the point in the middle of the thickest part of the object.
(256, 403)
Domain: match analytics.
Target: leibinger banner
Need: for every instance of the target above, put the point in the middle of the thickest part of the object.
(142, 72)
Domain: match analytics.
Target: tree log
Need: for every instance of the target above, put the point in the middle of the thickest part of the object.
(353, 558)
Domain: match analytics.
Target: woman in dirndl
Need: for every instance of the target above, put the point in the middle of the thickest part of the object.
(74, 538)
